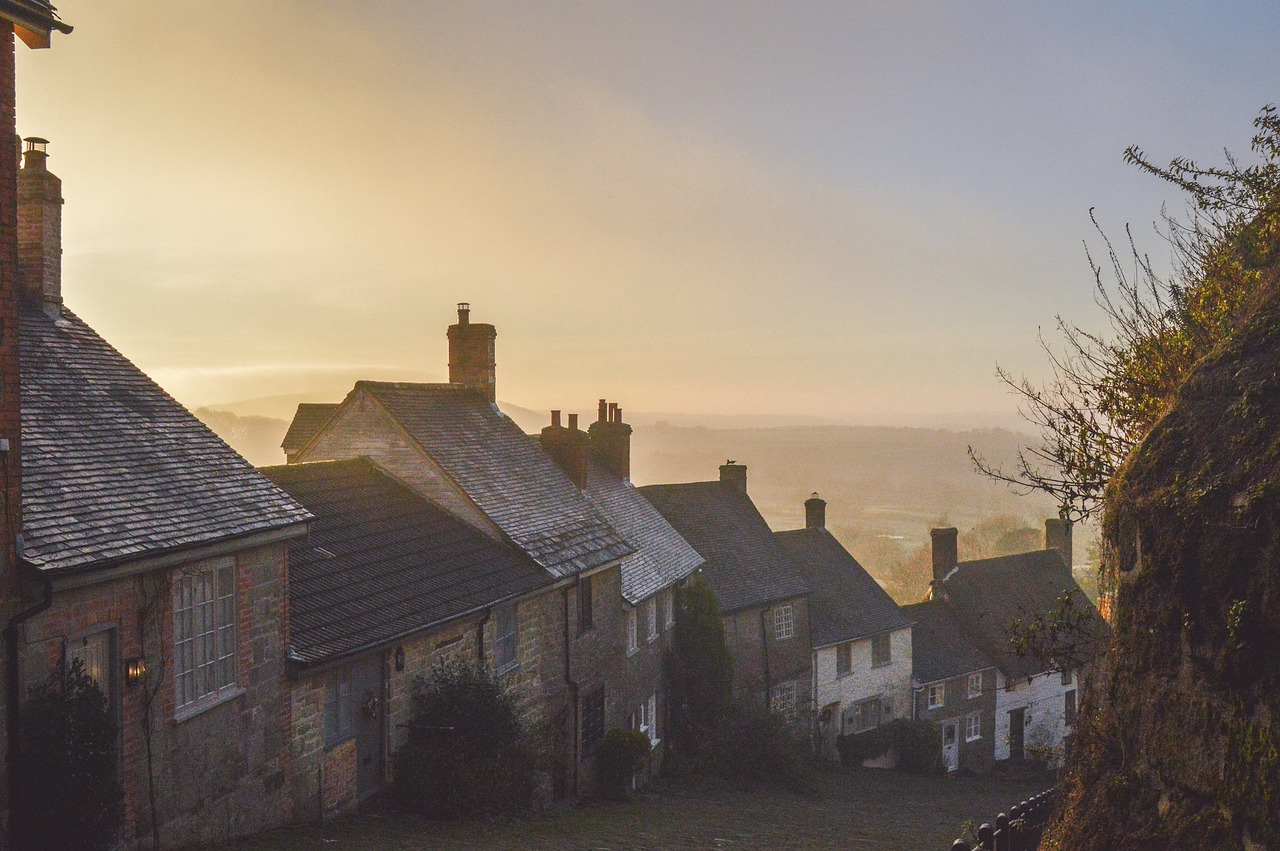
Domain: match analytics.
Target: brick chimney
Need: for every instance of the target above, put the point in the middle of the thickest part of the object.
(567, 447)
(39, 229)
(815, 512)
(944, 553)
(611, 439)
(1057, 536)
(734, 475)
(471, 353)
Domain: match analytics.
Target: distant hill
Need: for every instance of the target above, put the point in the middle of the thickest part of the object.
(256, 438)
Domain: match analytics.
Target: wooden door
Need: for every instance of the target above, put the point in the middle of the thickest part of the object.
(1017, 729)
(370, 718)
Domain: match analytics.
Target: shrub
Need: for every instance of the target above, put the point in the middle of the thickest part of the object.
(620, 757)
(917, 743)
(758, 750)
(700, 671)
(67, 794)
(468, 750)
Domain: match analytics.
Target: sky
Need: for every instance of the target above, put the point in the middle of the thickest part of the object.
(850, 211)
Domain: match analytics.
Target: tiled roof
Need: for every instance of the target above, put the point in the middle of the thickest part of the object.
(988, 595)
(307, 420)
(382, 562)
(845, 602)
(745, 565)
(38, 14)
(939, 648)
(113, 468)
(505, 473)
(662, 556)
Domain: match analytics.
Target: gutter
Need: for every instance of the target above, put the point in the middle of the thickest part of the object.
(13, 682)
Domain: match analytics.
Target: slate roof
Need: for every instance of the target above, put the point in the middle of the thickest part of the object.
(988, 595)
(40, 15)
(505, 473)
(113, 468)
(307, 420)
(845, 602)
(662, 556)
(939, 648)
(383, 562)
(745, 564)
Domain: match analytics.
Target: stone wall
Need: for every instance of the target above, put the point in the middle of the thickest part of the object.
(976, 755)
(758, 656)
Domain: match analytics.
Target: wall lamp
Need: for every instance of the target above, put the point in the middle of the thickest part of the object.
(135, 671)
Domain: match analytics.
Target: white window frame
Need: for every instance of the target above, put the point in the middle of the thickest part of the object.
(937, 696)
(645, 719)
(651, 617)
(783, 699)
(845, 651)
(633, 641)
(974, 685)
(668, 609)
(973, 726)
(883, 641)
(206, 636)
(506, 642)
(784, 622)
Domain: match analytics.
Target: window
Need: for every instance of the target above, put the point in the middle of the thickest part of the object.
(937, 695)
(784, 622)
(975, 686)
(204, 633)
(651, 616)
(782, 699)
(504, 638)
(633, 643)
(645, 719)
(866, 714)
(585, 615)
(593, 720)
(844, 659)
(973, 726)
(881, 650)
(338, 716)
(1067, 677)
(668, 609)
(1069, 708)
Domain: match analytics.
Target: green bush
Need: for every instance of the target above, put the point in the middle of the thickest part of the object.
(700, 670)
(467, 750)
(621, 756)
(66, 791)
(753, 750)
(917, 743)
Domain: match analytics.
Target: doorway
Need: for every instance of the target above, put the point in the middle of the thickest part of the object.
(367, 691)
(951, 744)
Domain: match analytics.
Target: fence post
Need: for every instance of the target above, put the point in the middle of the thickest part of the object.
(960, 845)
(986, 838)
(1017, 828)
(1000, 839)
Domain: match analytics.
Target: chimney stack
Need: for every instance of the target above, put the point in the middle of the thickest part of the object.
(40, 229)
(567, 447)
(1057, 536)
(471, 353)
(815, 512)
(734, 475)
(944, 553)
(611, 439)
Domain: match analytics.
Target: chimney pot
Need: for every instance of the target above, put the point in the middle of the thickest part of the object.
(815, 512)
(604, 412)
(944, 553)
(555, 419)
(611, 439)
(464, 313)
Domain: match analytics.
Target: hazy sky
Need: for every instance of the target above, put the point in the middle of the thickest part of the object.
(832, 209)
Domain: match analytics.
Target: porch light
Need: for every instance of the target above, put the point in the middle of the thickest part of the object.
(135, 671)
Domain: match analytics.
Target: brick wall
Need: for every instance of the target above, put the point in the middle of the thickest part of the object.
(219, 772)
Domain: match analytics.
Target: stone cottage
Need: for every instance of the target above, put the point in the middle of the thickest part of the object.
(763, 596)
(387, 585)
(157, 556)
(861, 640)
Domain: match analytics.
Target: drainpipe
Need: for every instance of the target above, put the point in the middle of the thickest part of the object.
(13, 684)
(570, 681)
(764, 647)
